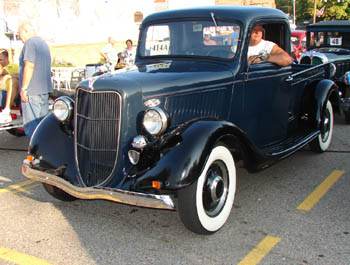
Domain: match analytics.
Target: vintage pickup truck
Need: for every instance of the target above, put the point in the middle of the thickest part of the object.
(169, 132)
(329, 42)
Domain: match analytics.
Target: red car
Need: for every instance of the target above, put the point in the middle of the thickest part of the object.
(298, 38)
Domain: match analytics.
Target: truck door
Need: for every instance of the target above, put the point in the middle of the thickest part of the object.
(266, 103)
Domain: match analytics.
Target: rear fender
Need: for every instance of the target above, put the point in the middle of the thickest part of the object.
(315, 98)
(325, 90)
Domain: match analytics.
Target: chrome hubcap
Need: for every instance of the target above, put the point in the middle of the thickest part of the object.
(215, 188)
(325, 128)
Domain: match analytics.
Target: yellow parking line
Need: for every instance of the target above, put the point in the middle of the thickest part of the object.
(16, 186)
(20, 258)
(26, 188)
(320, 191)
(260, 251)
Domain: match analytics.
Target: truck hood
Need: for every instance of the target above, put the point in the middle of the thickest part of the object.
(163, 77)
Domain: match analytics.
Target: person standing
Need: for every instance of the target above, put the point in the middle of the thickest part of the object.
(109, 54)
(8, 87)
(129, 53)
(34, 77)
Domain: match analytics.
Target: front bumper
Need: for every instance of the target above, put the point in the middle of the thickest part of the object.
(116, 195)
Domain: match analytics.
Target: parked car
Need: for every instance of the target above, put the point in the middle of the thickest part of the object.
(168, 133)
(298, 38)
(329, 41)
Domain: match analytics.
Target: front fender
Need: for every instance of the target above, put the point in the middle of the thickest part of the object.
(53, 142)
(183, 163)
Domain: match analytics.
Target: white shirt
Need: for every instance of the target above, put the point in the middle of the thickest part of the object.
(111, 53)
(129, 56)
(264, 45)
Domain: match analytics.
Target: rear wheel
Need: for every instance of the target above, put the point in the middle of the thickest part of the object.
(205, 205)
(323, 141)
(58, 193)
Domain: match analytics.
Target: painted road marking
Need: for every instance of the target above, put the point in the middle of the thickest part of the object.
(26, 188)
(260, 251)
(16, 186)
(20, 258)
(320, 191)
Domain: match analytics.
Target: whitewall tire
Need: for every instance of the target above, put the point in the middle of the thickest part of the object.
(323, 141)
(205, 206)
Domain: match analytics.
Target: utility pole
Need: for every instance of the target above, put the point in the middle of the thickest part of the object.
(294, 18)
(315, 4)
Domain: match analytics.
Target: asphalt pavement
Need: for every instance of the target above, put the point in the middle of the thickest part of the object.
(265, 226)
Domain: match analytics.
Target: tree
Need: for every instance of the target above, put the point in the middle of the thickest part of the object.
(285, 5)
(334, 9)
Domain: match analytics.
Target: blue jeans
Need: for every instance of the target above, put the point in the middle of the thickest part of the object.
(33, 111)
(3, 94)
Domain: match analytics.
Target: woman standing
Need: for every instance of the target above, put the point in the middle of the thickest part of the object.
(129, 53)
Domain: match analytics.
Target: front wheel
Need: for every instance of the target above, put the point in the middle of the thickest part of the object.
(58, 193)
(323, 141)
(205, 205)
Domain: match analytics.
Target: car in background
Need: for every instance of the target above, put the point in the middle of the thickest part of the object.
(329, 42)
(298, 39)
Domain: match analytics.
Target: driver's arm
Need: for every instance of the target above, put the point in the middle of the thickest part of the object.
(279, 56)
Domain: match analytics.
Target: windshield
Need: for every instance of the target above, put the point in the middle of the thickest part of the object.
(333, 39)
(190, 38)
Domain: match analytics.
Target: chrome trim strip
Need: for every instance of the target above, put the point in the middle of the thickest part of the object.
(267, 76)
(92, 193)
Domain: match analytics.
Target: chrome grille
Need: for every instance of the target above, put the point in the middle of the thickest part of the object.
(97, 130)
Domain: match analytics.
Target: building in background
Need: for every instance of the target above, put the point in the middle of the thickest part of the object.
(84, 21)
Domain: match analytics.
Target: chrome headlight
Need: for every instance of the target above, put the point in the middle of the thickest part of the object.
(63, 108)
(155, 121)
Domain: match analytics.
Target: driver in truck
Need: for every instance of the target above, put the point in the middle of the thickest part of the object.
(271, 51)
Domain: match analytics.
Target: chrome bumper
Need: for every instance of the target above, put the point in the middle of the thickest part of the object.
(92, 193)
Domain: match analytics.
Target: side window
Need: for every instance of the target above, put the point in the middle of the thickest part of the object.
(319, 39)
(276, 32)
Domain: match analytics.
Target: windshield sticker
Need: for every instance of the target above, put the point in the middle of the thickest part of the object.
(197, 27)
(159, 47)
(335, 41)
